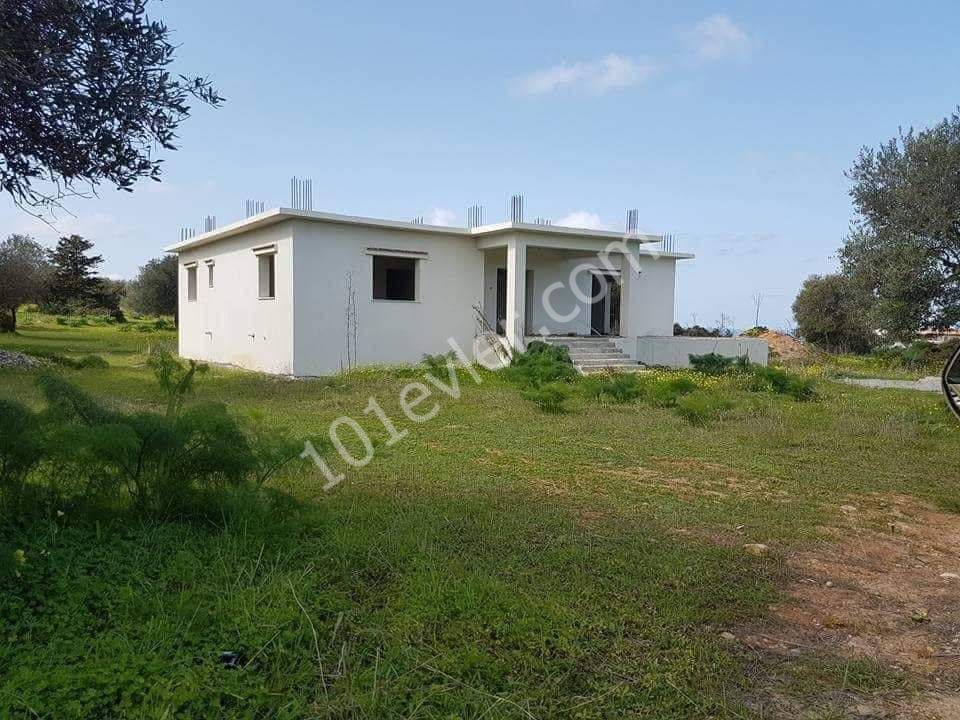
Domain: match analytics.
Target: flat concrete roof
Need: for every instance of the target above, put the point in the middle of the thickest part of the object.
(277, 215)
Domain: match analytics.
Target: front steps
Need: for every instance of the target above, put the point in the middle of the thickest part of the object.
(592, 354)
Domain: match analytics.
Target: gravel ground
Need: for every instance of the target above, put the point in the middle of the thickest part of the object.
(927, 384)
(15, 359)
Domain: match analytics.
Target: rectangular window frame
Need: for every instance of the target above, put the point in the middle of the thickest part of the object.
(416, 256)
(210, 265)
(191, 269)
(266, 259)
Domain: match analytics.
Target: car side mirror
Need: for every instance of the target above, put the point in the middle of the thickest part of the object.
(950, 381)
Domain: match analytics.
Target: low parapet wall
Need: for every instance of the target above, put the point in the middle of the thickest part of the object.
(675, 351)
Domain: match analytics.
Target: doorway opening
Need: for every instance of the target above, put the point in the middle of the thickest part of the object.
(501, 301)
(605, 304)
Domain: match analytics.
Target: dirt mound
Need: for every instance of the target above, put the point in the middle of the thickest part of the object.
(785, 346)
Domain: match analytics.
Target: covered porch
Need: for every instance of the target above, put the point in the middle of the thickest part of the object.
(536, 285)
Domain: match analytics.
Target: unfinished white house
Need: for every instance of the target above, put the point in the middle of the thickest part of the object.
(303, 293)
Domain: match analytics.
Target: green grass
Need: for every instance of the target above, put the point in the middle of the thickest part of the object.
(866, 366)
(498, 562)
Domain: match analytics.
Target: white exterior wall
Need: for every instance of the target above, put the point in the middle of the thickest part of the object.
(450, 283)
(229, 323)
(651, 297)
(564, 311)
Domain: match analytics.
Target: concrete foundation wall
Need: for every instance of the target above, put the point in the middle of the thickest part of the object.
(675, 352)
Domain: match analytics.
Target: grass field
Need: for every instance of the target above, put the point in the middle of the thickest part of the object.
(498, 562)
(869, 366)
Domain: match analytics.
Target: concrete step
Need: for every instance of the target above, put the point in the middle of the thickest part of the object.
(576, 340)
(589, 348)
(612, 352)
(608, 362)
(611, 368)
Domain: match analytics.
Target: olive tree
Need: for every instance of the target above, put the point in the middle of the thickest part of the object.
(903, 251)
(831, 315)
(88, 95)
(24, 275)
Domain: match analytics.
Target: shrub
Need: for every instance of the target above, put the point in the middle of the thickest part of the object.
(700, 331)
(594, 386)
(437, 364)
(87, 362)
(760, 377)
(624, 387)
(801, 389)
(618, 387)
(541, 372)
(715, 364)
(917, 355)
(91, 362)
(773, 379)
(181, 462)
(768, 379)
(711, 363)
(701, 405)
(666, 393)
(756, 331)
(175, 379)
(540, 364)
(558, 352)
(950, 505)
(549, 397)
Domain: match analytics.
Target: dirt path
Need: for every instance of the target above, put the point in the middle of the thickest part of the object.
(926, 384)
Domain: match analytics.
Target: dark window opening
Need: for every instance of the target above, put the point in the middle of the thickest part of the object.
(394, 278)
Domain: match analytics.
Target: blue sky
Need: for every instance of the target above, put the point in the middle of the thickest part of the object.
(728, 124)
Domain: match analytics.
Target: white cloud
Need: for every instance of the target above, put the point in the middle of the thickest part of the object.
(719, 38)
(598, 76)
(441, 216)
(582, 219)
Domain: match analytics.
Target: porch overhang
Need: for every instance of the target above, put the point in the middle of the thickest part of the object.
(589, 242)
(603, 253)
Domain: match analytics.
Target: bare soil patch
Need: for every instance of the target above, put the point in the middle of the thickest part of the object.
(885, 587)
(689, 477)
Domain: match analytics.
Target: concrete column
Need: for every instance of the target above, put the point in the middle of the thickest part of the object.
(629, 294)
(516, 292)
